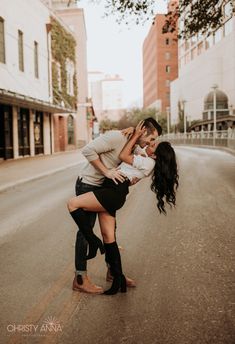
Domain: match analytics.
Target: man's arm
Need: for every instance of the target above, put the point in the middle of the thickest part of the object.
(103, 144)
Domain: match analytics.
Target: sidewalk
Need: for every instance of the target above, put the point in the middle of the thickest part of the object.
(15, 172)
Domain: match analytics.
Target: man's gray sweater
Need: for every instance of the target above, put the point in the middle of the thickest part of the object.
(107, 147)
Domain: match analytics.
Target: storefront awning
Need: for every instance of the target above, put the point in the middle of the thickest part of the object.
(12, 98)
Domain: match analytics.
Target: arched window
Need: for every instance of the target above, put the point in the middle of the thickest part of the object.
(70, 126)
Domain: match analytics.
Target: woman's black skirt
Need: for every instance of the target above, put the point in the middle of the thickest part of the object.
(112, 196)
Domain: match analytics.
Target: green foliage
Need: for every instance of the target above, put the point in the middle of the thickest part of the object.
(202, 15)
(63, 47)
(132, 117)
(107, 124)
(126, 11)
(198, 17)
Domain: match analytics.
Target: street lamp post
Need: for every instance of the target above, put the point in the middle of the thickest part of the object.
(189, 121)
(230, 110)
(185, 123)
(168, 119)
(214, 87)
(157, 115)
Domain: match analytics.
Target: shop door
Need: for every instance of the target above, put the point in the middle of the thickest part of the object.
(61, 134)
(38, 132)
(6, 132)
(23, 132)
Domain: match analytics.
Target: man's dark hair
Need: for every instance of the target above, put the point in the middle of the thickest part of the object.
(151, 124)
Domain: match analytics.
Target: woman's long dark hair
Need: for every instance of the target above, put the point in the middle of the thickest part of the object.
(165, 175)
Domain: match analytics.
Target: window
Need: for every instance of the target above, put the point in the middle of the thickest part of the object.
(193, 40)
(187, 58)
(167, 41)
(209, 41)
(200, 48)
(228, 27)
(167, 56)
(187, 45)
(70, 76)
(2, 42)
(200, 36)
(181, 24)
(228, 10)
(181, 49)
(181, 62)
(218, 35)
(167, 83)
(20, 50)
(70, 126)
(168, 69)
(36, 60)
(193, 53)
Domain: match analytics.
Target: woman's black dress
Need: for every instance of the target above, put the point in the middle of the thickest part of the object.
(112, 196)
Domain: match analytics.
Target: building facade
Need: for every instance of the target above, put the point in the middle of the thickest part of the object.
(26, 95)
(206, 67)
(112, 96)
(106, 92)
(73, 17)
(95, 91)
(160, 65)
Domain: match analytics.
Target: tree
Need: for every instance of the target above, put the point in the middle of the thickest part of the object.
(107, 124)
(132, 117)
(200, 16)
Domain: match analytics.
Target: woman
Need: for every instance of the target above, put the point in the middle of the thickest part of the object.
(111, 196)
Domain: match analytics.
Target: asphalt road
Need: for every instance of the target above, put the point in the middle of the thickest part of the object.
(183, 262)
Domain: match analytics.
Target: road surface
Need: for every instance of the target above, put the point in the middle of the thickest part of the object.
(183, 262)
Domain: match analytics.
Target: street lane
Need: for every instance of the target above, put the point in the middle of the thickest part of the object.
(183, 262)
(26, 202)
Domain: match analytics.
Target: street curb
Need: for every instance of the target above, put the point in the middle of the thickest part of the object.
(38, 176)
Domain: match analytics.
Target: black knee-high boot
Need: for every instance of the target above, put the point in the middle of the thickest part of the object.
(114, 259)
(94, 242)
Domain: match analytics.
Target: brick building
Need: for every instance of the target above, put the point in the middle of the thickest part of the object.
(160, 64)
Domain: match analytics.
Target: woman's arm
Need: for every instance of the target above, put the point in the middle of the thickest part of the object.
(126, 154)
(128, 132)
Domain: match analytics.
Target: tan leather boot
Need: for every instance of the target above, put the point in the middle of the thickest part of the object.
(130, 283)
(86, 286)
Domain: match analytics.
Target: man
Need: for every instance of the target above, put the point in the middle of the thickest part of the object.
(103, 158)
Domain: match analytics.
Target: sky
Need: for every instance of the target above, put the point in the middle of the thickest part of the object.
(117, 49)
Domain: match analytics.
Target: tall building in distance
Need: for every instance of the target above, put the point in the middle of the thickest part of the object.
(160, 64)
(206, 68)
(106, 92)
(95, 91)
